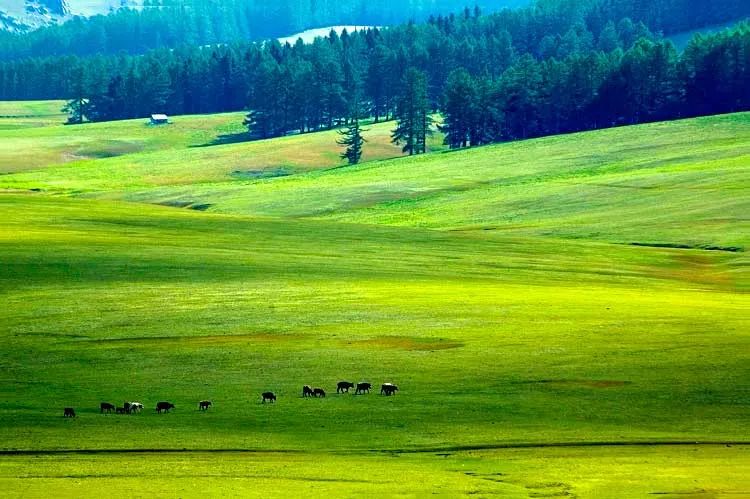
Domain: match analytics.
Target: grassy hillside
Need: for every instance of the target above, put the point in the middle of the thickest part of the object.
(494, 341)
(485, 283)
(43, 146)
(16, 115)
(193, 149)
(677, 183)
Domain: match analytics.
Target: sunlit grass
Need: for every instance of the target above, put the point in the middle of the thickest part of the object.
(498, 287)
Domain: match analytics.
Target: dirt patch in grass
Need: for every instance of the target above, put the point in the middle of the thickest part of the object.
(699, 269)
(406, 343)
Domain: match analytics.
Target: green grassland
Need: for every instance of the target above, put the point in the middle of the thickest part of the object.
(673, 473)
(491, 285)
(19, 115)
(608, 185)
(192, 149)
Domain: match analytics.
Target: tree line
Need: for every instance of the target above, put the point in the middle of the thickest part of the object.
(176, 23)
(302, 86)
(516, 74)
(585, 91)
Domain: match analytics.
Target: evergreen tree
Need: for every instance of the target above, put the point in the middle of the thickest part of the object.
(413, 114)
(459, 109)
(78, 107)
(351, 138)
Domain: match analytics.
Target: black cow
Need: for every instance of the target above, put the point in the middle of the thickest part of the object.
(164, 406)
(319, 392)
(388, 389)
(128, 407)
(69, 412)
(203, 405)
(363, 387)
(270, 396)
(106, 407)
(307, 391)
(343, 386)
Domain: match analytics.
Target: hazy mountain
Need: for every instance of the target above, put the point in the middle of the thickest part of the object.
(19, 15)
(23, 15)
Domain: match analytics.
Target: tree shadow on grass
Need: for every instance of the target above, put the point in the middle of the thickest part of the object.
(229, 138)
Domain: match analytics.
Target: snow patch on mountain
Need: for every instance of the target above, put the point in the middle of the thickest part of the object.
(23, 15)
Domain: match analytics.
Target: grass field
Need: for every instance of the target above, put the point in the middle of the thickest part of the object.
(19, 115)
(193, 149)
(538, 352)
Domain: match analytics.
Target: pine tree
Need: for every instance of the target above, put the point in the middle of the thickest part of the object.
(77, 107)
(459, 109)
(351, 138)
(413, 114)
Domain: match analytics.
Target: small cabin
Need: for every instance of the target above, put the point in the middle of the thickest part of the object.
(159, 119)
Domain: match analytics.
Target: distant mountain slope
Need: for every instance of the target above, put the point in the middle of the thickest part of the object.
(24, 15)
(21, 15)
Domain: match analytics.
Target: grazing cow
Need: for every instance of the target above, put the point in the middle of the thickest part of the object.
(164, 406)
(388, 389)
(69, 412)
(106, 407)
(270, 396)
(319, 392)
(307, 391)
(128, 407)
(363, 387)
(343, 386)
(203, 405)
(136, 407)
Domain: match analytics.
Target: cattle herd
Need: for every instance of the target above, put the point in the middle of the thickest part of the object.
(361, 388)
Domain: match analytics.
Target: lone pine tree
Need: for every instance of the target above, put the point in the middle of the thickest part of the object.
(351, 138)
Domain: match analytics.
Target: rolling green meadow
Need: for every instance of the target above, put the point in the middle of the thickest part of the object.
(564, 317)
